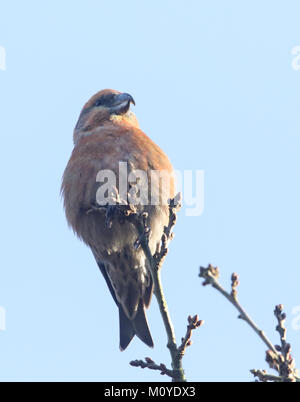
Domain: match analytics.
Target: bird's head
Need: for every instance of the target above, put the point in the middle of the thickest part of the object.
(105, 106)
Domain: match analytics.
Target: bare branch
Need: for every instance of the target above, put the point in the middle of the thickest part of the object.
(150, 364)
(279, 356)
(283, 362)
(263, 376)
(210, 276)
(193, 323)
(155, 262)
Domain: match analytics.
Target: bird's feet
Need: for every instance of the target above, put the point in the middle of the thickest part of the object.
(115, 208)
(144, 230)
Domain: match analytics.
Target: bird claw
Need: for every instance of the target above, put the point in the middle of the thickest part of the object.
(145, 235)
(96, 208)
(129, 209)
(109, 212)
(121, 210)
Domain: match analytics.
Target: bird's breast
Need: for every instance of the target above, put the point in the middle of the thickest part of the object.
(106, 150)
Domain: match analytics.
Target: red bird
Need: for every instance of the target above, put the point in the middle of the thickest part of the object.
(107, 136)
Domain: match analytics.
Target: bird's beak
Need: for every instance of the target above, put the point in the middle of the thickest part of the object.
(122, 103)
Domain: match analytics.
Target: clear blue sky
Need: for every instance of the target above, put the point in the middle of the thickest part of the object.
(215, 88)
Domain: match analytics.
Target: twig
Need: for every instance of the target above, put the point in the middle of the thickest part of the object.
(210, 275)
(283, 362)
(193, 323)
(263, 376)
(278, 356)
(155, 262)
(150, 364)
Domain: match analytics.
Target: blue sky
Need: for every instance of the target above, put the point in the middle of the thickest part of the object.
(215, 87)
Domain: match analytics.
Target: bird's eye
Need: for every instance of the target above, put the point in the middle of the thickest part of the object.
(105, 100)
(99, 102)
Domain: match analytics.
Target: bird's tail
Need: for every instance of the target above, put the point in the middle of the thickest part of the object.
(137, 326)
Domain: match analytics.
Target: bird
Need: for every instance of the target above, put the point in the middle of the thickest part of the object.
(107, 136)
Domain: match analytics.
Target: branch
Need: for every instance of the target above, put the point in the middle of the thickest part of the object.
(283, 362)
(155, 262)
(210, 275)
(193, 323)
(150, 364)
(278, 356)
(263, 376)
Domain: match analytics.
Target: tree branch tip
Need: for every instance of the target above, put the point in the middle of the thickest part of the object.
(209, 274)
(263, 376)
(176, 202)
(234, 284)
(150, 364)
